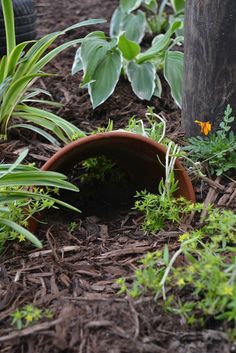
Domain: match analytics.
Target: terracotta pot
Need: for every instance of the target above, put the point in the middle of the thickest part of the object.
(136, 154)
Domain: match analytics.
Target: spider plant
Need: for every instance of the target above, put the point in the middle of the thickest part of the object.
(19, 69)
(24, 192)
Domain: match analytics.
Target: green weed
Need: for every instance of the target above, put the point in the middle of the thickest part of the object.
(29, 315)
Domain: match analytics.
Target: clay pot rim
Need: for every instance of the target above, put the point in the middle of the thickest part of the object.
(106, 135)
(64, 151)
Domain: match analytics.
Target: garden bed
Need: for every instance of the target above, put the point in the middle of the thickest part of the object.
(74, 275)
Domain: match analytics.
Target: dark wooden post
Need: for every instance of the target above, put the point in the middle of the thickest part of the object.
(210, 62)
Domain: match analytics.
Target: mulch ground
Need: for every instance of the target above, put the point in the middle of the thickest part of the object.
(74, 275)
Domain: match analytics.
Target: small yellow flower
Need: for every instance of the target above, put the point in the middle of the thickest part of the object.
(183, 237)
(21, 238)
(29, 318)
(205, 126)
(227, 290)
(180, 282)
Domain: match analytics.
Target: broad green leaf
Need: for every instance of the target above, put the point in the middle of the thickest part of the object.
(173, 72)
(160, 43)
(158, 39)
(116, 22)
(178, 5)
(105, 78)
(129, 5)
(158, 88)
(173, 18)
(151, 5)
(92, 52)
(128, 48)
(77, 64)
(142, 78)
(134, 26)
(28, 235)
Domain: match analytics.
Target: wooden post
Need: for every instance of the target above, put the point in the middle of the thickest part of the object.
(210, 62)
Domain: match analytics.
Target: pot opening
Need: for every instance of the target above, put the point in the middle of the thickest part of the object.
(105, 188)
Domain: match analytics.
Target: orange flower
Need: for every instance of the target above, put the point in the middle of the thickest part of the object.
(205, 126)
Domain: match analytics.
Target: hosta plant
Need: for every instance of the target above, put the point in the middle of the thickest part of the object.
(103, 60)
(24, 191)
(134, 17)
(22, 65)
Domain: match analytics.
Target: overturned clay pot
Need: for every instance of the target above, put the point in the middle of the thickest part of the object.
(142, 158)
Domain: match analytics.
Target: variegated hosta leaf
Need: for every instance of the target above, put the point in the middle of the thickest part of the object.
(142, 78)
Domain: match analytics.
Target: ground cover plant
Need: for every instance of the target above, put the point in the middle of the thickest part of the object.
(206, 274)
(64, 297)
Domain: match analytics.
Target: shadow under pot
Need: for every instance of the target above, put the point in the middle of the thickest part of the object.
(141, 158)
(25, 23)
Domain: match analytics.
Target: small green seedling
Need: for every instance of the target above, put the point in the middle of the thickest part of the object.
(29, 315)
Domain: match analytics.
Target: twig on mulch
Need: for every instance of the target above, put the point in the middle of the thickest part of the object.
(30, 330)
(229, 195)
(210, 199)
(136, 319)
(127, 251)
(63, 250)
(215, 184)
